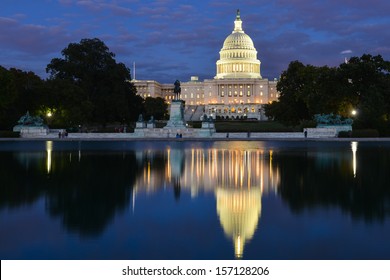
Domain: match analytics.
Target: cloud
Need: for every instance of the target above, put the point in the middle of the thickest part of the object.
(346, 52)
(31, 38)
(102, 6)
(180, 38)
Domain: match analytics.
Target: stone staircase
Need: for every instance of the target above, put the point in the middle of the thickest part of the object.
(198, 113)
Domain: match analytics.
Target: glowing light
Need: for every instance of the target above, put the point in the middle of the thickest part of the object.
(354, 112)
(49, 114)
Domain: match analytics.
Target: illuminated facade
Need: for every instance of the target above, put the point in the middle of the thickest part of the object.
(237, 91)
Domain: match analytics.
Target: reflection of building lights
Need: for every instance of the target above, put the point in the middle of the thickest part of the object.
(239, 211)
(148, 173)
(168, 166)
(49, 149)
(238, 177)
(238, 247)
(354, 146)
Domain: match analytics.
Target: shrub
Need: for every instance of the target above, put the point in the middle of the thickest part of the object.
(362, 133)
(9, 134)
(359, 133)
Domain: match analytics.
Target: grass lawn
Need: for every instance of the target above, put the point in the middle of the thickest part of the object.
(248, 126)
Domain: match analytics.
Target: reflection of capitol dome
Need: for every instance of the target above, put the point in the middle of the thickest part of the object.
(238, 56)
(239, 211)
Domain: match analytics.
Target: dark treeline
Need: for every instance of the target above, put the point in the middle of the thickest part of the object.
(361, 84)
(85, 86)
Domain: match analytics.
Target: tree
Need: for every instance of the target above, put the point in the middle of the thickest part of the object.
(291, 107)
(8, 94)
(362, 83)
(156, 107)
(20, 91)
(106, 91)
(369, 87)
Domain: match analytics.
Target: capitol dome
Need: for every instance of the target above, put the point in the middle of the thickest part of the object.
(238, 56)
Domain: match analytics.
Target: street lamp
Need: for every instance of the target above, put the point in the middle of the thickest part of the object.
(353, 112)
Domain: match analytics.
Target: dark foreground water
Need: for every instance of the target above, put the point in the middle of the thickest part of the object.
(194, 200)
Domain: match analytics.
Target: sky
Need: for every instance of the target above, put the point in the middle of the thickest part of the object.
(170, 40)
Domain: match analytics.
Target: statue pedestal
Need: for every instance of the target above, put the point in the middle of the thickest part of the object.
(140, 125)
(139, 129)
(31, 131)
(151, 125)
(176, 118)
(207, 130)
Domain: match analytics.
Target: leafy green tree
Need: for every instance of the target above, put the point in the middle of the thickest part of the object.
(104, 83)
(20, 91)
(67, 104)
(8, 95)
(156, 107)
(368, 87)
(291, 107)
(362, 83)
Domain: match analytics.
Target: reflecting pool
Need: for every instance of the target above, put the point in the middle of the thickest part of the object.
(194, 200)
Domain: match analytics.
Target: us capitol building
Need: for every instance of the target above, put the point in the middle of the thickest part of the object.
(237, 91)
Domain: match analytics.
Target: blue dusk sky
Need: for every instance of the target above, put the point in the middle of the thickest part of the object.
(171, 40)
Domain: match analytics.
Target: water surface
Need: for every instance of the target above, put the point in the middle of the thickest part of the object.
(194, 200)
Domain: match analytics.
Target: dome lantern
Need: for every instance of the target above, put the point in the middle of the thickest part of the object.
(238, 23)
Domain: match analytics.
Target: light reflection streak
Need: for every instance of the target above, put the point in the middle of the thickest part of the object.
(199, 169)
(354, 146)
(49, 149)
